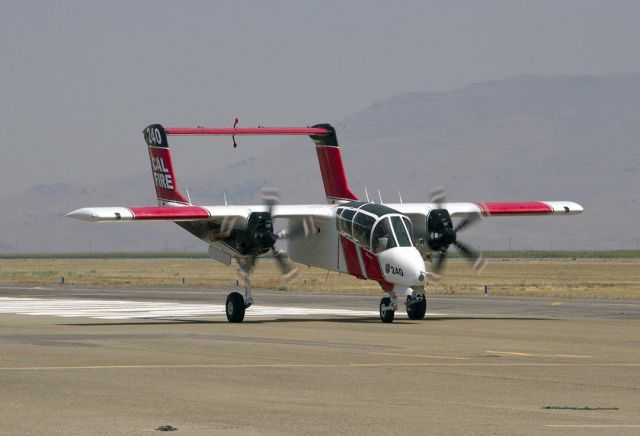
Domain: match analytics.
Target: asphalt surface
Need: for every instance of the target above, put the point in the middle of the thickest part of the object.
(476, 365)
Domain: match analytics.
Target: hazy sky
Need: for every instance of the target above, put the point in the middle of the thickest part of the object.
(81, 79)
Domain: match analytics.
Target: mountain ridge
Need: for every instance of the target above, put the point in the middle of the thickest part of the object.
(527, 137)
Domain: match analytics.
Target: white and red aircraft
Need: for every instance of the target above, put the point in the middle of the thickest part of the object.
(387, 243)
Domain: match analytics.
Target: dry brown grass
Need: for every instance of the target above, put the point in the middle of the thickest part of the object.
(597, 278)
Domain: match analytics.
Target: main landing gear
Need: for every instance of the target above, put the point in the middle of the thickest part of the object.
(236, 303)
(416, 306)
(235, 307)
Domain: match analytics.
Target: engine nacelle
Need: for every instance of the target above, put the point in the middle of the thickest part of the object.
(435, 233)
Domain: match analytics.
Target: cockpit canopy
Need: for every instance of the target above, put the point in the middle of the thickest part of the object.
(374, 227)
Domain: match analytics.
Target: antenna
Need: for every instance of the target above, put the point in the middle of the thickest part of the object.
(189, 198)
(380, 197)
(366, 194)
(400, 195)
(224, 194)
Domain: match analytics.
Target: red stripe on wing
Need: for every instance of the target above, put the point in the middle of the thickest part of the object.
(515, 208)
(169, 213)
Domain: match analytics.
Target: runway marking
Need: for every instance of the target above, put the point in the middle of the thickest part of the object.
(519, 353)
(593, 425)
(310, 365)
(418, 355)
(120, 309)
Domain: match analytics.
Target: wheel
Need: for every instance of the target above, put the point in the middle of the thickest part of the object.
(235, 307)
(386, 314)
(417, 310)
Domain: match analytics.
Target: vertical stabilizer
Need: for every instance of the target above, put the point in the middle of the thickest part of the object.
(334, 177)
(164, 178)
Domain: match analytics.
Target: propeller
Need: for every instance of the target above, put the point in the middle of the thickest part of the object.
(441, 234)
(297, 229)
(257, 236)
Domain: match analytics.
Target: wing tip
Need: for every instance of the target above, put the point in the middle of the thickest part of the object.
(83, 214)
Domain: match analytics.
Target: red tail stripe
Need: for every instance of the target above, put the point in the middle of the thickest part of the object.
(163, 213)
(245, 131)
(164, 178)
(533, 207)
(333, 174)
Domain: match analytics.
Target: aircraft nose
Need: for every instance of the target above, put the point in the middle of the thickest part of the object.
(403, 266)
(418, 268)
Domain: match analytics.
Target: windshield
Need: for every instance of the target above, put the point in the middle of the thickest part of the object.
(404, 240)
(409, 226)
(384, 237)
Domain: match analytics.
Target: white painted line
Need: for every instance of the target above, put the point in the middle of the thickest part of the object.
(120, 309)
(523, 354)
(602, 426)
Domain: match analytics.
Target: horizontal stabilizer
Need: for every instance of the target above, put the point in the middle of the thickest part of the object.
(239, 131)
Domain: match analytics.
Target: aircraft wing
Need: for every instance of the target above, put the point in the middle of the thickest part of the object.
(196, 213)
(528, 208)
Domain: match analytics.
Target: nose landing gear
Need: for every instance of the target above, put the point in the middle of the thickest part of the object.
(387, 310)
(416, 306)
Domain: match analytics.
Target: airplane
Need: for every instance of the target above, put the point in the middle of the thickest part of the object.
(387, 243)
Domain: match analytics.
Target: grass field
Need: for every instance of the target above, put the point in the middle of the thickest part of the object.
(564, 277)
(511, 254)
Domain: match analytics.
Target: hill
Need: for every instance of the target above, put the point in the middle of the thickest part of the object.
(522, 138)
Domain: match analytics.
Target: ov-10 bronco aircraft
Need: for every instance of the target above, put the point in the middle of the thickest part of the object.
(388, 243)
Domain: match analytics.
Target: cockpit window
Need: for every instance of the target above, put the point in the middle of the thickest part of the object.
(392, 230)
(383, 236)
(362, 224)
(345, 221)
(404, 240)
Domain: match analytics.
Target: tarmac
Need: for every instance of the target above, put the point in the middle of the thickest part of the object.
(101, 360)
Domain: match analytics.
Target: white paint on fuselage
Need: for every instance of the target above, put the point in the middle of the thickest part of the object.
(321, 249)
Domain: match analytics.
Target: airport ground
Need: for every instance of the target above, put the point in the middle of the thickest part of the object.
(128, 359)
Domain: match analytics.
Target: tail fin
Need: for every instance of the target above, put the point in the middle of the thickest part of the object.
(161, 167)
(334, 177)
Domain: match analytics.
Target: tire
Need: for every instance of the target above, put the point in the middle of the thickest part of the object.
(235, 307)
(417, 310)
(386, 315)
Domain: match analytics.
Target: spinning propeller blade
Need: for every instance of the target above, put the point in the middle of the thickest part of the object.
(442, 235)
(270, 197)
